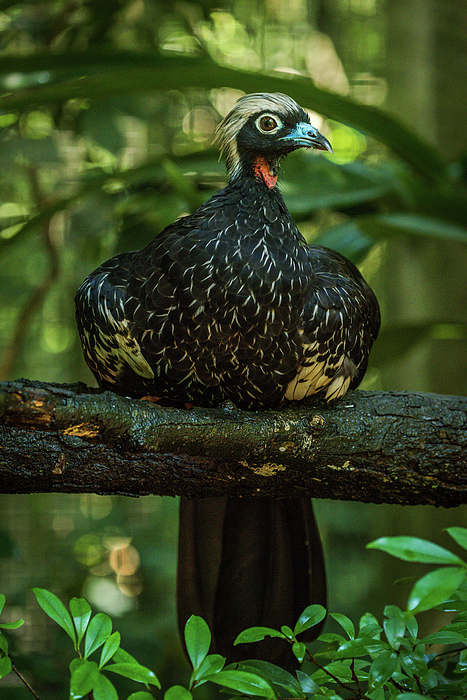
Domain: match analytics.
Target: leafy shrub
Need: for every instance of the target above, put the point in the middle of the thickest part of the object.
(385, 661)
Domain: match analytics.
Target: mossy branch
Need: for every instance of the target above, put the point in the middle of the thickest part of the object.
(381, 447)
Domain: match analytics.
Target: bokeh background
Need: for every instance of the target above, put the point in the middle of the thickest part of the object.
(106, 128)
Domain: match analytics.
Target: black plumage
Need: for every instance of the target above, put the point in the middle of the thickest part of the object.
(230, 303)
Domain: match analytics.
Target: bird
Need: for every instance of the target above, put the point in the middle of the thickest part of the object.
(227, 305)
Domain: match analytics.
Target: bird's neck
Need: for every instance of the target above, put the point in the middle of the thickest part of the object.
(265, 172)
(264, 169)
(258, 187)
(254, 200)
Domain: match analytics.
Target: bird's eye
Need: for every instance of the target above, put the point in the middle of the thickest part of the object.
(268, 124)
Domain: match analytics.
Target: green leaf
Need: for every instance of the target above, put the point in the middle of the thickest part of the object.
(310, 617)
(352, 648)
(81, 613)
(408, 696)
(328, 651)
(394, 625)
(347, 239)
(211, 664)
(54, 608)
(377, 694)
(123, 656)
(141, 695)
(299, 651)
(84, 675)
(176, 692)
(11, 625)
(128, 73)
(110, 647)
(460, 621)
(331, 637)
(104, 689)
(136, 672)
(243, 682)
(5, 666)
(2, 602)
(443, 636)
(435, 588)
(341, 670)
(257, 634)
(368, 620)
(462, 663)
(359, 647)
(99, 629)
(197, 640)
(459, 535)
(413, 662)
(3, 644)
(412, 625)
(370, 631)
(455, 604)
(443, 691)
(345, 623)
(287, 632)
(415, 549)
(307, 684)
(333, 186)
(382, 668)
(273, 674)
(413, 225)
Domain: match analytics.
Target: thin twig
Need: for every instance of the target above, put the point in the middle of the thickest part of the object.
(356, 692)
(354, 675)
(22, 678)
(399, 687)
(449, 654)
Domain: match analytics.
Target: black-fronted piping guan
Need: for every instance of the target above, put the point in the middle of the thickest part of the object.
(231, 304)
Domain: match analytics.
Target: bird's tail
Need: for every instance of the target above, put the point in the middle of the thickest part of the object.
(247, 562)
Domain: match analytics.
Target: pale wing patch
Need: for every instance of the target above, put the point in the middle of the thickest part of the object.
(121, 345)
(333, 378)
(337, 388)
(113, 351)
(131, 353)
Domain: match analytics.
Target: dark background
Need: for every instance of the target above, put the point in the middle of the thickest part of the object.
(105, 137)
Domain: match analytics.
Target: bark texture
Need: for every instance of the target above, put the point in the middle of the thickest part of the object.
(380, 447)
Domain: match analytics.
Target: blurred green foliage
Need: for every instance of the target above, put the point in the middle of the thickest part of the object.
(107, 114)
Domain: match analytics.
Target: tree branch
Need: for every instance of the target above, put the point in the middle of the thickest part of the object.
(391, 447)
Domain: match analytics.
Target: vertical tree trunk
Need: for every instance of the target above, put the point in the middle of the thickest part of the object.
(427, 81)
(427, 76)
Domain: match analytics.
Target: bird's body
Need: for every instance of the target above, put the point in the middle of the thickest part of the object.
(230, 303)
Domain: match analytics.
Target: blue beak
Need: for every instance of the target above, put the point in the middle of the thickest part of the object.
(307, 136)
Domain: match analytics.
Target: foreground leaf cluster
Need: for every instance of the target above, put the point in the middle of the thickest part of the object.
(372, 661)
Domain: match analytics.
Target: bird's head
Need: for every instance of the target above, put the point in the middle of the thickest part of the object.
(261, 129)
